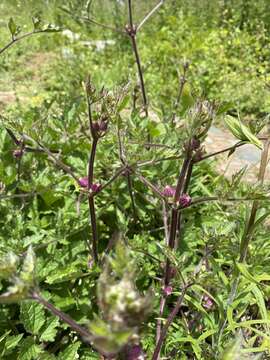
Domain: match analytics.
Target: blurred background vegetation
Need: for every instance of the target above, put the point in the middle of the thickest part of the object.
(226, 42)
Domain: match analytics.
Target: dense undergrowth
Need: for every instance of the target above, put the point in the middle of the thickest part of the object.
(219, 273)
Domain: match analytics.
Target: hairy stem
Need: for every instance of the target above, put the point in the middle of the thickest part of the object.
(84, 333)
(91, 201)
(14, 40)
(169, 321)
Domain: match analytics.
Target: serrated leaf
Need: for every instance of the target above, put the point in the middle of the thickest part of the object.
(29, 350)
(51, 329)
(64, 274)
(71, 352)
(12, 342)
(32, 316)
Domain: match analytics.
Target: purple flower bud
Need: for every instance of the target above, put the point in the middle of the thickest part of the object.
(83, 182)
(184, 200)
(95, 126)
(103, 125)
(135, 353)
(195, 144)
(95, 187)
(199, 154)
(167, 290)
(18, 153)
(207, 302)
(168, 191)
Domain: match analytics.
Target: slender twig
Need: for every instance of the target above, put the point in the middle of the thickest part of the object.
(150, 185)
(169, 321)
(27, 148)
(130, 13)
(224, 199)
(122, 157)
(59, 163)
(108, 27)
(131, 31)
(156, 161)
(163, 146)
(13, 137)
(230, 148)
(182, 183)
(182, 82)
(84, 333)
(16, 39)
(91, 201)
(112, 179)
(147, 17)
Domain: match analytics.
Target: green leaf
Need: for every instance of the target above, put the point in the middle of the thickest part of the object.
(260, 302)
(123, 103)
(242, 132)
(12, 341)
(32, 316)
(232, 352)
(13, 28)
(244, 271)
(29, 350)
(36, 20)
(64, 274)
(51, 329)
(71, 352)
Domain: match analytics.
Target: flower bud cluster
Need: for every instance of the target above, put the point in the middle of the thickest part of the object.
(95, 187)
(184, 199)
(100, 127)
(17, 153)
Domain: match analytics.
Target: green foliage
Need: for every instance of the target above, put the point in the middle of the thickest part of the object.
(45, 211)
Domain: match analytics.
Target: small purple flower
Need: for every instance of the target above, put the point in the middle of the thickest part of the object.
(167, 290)
(195, 144)
(95, 126)
(103, 125)
(135, 353)
(168, 191)
(18, 153)
(95, 187)
(83, 182)
(207, 302)
(184, 200)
